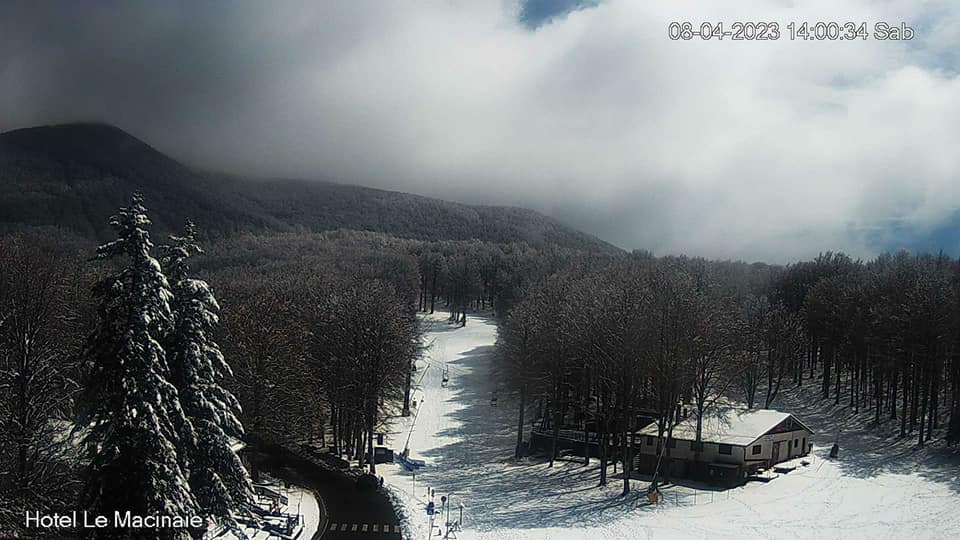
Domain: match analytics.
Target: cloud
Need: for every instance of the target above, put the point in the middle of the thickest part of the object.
(758, 150)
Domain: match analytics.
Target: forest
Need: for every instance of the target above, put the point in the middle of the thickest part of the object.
(310, 336)
(171, 352)
(601, 347)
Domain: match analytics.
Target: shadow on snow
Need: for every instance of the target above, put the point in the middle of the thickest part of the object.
(496, 490)
(868, 450)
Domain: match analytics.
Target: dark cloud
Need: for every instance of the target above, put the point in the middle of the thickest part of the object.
(757, 150)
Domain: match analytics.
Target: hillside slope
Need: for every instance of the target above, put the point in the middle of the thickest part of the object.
(75, 175)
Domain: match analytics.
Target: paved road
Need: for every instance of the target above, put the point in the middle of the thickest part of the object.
(350, 513)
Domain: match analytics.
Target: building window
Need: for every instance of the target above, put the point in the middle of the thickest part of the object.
(796, 443)
(756, 449)
(649, 440)
(725, 449)
(696, 446)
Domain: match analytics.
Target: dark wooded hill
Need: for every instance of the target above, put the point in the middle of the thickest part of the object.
(75, 175)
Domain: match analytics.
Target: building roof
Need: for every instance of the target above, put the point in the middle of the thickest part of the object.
(236, 444)
(738, 427)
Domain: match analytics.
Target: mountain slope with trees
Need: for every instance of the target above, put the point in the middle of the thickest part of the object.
(71, 175)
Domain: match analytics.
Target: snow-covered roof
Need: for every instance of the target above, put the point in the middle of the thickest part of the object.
(236, 444)
(738, 427)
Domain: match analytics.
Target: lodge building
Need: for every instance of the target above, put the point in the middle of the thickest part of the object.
(734, 444)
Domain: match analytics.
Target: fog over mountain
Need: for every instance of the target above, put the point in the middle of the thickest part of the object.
(586, 111)
(69, 176)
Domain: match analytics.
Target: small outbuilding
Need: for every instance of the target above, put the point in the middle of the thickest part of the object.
(734, 443)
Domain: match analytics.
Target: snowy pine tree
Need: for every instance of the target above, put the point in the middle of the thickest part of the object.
(135, 425)
(217, 477)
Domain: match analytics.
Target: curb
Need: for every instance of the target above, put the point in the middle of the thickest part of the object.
(324, 516)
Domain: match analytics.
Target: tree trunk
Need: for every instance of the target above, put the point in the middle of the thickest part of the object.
(827, 361)
(624, 449)
(914, 395)
(406, 389)
(433, 286)
(518, 453)
(335, 421)
(586, 407)
(556, 433)
(602, 441)
(837, 366)
(370, 457)
(891, 392)
(906, 400)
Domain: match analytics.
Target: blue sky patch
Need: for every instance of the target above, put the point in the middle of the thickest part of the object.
(534, 13)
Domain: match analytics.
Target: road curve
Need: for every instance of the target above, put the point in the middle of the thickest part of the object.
(349, 512)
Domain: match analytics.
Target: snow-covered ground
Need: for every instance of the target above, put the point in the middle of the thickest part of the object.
(876, 490)
(299, 501)
(303, 502)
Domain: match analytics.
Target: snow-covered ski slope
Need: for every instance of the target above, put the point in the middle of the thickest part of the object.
(467, 444)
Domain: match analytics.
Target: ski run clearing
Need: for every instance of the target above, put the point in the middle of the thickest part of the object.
(875, 490)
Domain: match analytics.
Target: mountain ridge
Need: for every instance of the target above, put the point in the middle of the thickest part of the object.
(75, 175)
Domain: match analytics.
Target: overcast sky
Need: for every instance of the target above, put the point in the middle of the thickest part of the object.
(584, 110)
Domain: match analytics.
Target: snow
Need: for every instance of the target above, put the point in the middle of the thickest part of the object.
(467, 444)
(300, 501)
(727, 426)
(303, 502)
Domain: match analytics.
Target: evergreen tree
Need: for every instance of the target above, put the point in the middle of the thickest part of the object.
(132, 413)
(217, 477)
